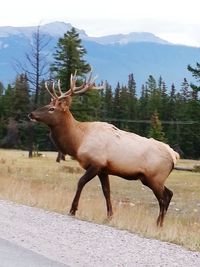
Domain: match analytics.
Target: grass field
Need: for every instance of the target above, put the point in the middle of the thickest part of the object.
(41, 182)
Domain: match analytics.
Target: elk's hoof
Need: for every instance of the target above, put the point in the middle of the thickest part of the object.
(108, 219)
(72, 213)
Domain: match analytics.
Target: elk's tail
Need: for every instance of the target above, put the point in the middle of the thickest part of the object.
(175, 155)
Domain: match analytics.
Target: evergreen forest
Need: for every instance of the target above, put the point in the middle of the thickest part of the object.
(171, 115)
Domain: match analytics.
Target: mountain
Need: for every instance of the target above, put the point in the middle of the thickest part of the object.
(57, 29)
(113, 57)
(133, 37)
(53, 29)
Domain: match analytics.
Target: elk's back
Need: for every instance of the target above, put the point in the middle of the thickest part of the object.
(122, 153)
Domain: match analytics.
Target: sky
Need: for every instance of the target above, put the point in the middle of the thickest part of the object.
(177, 21)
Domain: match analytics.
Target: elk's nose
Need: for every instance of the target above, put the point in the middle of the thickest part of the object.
(31, 116)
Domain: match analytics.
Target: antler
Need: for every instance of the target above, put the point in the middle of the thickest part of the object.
(53, 94)
(74, 90)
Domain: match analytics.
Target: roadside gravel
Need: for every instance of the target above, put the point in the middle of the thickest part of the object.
(78, 243)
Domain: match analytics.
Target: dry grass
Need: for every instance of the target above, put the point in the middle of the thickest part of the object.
(43, 183)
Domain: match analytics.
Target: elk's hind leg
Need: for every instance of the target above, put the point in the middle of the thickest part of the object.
(163, 195)
(168, 197)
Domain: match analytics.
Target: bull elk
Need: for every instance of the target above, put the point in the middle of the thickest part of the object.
(103, 150)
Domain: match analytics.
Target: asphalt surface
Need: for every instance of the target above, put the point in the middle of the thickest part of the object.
(39, 238)
(12, 255)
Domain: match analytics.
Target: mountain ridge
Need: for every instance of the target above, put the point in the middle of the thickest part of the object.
(59, 28)
(113, 57)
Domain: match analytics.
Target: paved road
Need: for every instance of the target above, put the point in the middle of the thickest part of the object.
(70, 242)
(12, 255)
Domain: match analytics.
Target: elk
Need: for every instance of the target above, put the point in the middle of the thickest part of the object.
(102, 149)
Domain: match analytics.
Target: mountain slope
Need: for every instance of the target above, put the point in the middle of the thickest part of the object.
(115, 62)
(112, 57)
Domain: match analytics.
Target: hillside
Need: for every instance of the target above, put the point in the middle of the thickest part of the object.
(113, 57)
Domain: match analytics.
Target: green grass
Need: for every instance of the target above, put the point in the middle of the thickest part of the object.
(41, 182)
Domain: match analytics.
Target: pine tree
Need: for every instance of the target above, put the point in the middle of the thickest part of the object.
(117, 105)
(8, 100)
(155, 102)
(156, 130)
(196, 74)
(124, 106)
(185, 92)
(164, 99)
(173, 92)
(107, 102)
(132, 99)
(21, 103)
(151, 84)
(160, 83)
(172, 102)
(143, 110)
(69, 57)
(131, 86)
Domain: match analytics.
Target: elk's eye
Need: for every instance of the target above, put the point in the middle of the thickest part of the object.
(51, 109)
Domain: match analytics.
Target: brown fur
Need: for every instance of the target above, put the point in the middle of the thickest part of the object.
(102, 149)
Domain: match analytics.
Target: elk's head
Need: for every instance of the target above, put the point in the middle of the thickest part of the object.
(52, 114)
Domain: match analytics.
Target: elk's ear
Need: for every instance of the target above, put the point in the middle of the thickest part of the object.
(65, 103)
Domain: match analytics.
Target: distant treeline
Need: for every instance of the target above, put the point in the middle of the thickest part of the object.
(168, 114)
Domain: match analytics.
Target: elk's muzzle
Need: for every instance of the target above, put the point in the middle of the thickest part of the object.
(32, 117)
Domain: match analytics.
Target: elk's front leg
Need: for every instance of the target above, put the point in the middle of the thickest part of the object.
(90, 173)
(106, 191)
